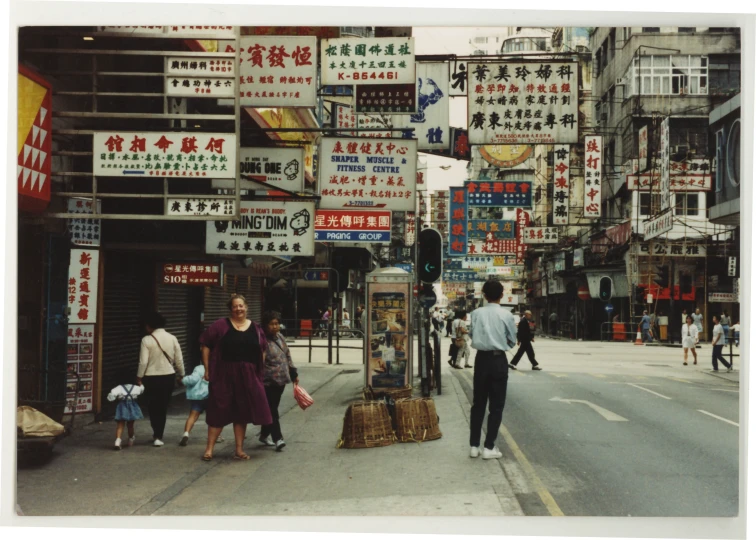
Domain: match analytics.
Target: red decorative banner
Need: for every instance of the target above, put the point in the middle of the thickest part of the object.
(34, 142)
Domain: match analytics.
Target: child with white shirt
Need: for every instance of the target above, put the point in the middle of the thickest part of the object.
(127, 411)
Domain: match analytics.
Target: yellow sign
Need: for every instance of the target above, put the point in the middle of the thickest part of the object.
(505, 155)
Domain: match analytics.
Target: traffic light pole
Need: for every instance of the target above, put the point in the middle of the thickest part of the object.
(672, 301)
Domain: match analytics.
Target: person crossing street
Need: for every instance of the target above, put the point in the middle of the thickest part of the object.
(524, 340)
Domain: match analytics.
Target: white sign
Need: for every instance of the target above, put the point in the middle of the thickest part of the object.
(522, 102)
(183, 66)
(658, 225)
(561, 213)
(278, 71)
(358, 173)
(695, 182)
(277, 167)
(510, 300)
(669, 249)
(83, 270)
(164, 154)
(176, 86)
(540, 235)
(431, 121)
(346, 61)
(208, 32)
(486, 261)
(199, 207)
(643, 148)
(457, 78)
(592, 191)
(732, 266)
(376, 122)
(722, 297)
(270, 228)
(507, 271)
(664, 151)
(84, 231)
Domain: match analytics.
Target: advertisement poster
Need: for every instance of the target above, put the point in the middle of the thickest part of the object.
(79, 360)
(561, 184)
(191, 273)
(353, 226)
(266, 228)
(431, 121)
(277, 167)
(367, 60)
(84, 231)
(388, 356)
(593, 162)
(83, 270)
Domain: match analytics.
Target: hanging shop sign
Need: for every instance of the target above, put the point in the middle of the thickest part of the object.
(643, 148)
(277, 167)
(368, 174)
(191, 273)
(457, 78)
(500, 193)
(422, 174)
(561, 201)
(265, 228)
(523, 103)
(344, 119)
(207, 87)
(208, 32)
(664, 186)
(165, 154)
(679, 182)
(592, 191)
(523, 220)
(431, 121)
(378, 123)
(540, 235)
(410, 229)
(491, 247)
(386, 98)
(460, 144)
(510, 300)
(457, 221)
(670, 249)
(34, 142)
(490, 228)
(83, 270)
(505, 156)
(723, 297)
(459, 275)
(79, 361)
(199, 207)
(278, 71)
(84, 231)
(504, 271)
(613, 236)
(486, 261)
(181, 66)
(367, 60)
(658, 225)
(353, 226)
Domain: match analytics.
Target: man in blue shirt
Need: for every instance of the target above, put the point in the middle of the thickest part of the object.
(645, 325)
(493, 332)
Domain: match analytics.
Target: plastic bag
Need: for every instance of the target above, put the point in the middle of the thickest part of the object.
(302, 398)
(36, 424)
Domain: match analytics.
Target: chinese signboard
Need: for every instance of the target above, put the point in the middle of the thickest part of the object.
(593, 162)
(182, 66)
(460, 146)
(614, 236)
(486, 261)
(386, 98)
(500, 193)
(457, 78)
(664, 151)
(367, 60)
(505, 155)
(658, 225)
(199, 207)
(278, 71)
(643, 148)
(265, 228)
(207, 87)
(523, 220)
(410, 229)
(178, 155)
(79, 360)
(277, 167)
(34, 143)
(516, 103)
(491, 246)
(504, 271)
(84, 231)
(669, 249)
(368, 174)
(723, 297)
(490, 229)
(82, 285)
(457, 221)
(459, 275)
(431, 122)
(191, 274)
(540, 235)
(561, 184)
(353, 226)
(376, 122)
(388, 354)
(694, 182)
(422, 174)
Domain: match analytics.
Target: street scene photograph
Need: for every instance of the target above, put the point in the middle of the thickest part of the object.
(449, 271)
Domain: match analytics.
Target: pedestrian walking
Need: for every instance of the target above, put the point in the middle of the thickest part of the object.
(717, 343)
(435, 320)
(449, 321)
(689, 335)
(160, 363)
(684, 316)
(279, 371)
(698, 320)
(736, 333)
(493, 333)
(553, 322)
(724, 320)
(127, 410)
(233, 353)
(645, 327)
(525, 340)
(196, 394)
(460, 332)
(363, 319)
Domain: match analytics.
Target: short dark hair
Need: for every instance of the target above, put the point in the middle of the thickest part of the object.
(155, 320)
(461, 314)
(493, 290)
(269, 316)
(718, 318)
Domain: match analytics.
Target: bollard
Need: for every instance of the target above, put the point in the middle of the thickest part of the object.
(309, 354)
(338, 349)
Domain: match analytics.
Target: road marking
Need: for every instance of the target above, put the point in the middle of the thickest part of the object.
(725, 390)
(608, 415)
(597, 375)
(719, 418)
(560, 375)
(647, 390)
(679, 380)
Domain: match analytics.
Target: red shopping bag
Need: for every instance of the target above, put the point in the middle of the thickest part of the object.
(302, 397)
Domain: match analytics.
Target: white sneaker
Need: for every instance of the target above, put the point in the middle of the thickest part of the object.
(157, 442)
(117, 445)
(267, 441)
(491, 454)
(474, 451)
(280, 445)
(131, 440)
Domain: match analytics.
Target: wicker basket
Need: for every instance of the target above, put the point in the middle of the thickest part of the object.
(369, 393)
(366, 424)
(416, 420)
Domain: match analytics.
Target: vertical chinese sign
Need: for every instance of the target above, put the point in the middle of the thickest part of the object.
(79, 360)
(278, 71)
(367, 60)
(34, 142)
(84, 231)
(561, 184)
(431, 121)
(82, 285)
(664, 155)
(523, 220)
(457, 78)
(592, 193)
(643, 149)
(457, 221)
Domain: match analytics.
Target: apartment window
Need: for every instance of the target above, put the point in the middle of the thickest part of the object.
(686, 29)
(599, 65)
(724, 30)
(650, 29)
(481, 40)
(645, 203)
(670, 75)
(686, 204)
(724, 75)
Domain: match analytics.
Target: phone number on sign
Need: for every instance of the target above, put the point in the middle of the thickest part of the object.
(365, 75)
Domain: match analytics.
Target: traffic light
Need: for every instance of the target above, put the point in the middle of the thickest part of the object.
(662, 279)
(605, 289)
(430, 250)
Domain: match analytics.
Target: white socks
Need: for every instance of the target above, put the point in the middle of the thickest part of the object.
(186, 434)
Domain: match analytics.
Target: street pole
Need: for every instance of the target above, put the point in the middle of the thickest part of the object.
(671, 317)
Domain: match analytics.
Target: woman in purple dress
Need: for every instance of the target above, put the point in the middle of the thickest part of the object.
(233, 352)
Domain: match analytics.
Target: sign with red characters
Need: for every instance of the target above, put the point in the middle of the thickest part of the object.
(192, 273)
(82, 285)
(79, 361)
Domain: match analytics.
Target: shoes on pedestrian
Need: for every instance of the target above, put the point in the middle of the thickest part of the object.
(267, 441)
(685, 363)
(221, 439)
(184, 440)
(117, 445)
(468, 366)
(474, 451)
(512, 366)
(280, 445)
(491, 454)
(537, 368)
(131, 440)
(714, 370)
(457, 367)
(451, 363)
(157, 442)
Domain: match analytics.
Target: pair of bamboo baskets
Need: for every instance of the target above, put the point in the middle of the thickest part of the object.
(368, 423)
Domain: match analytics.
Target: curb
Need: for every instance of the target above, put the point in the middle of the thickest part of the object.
(725, 378)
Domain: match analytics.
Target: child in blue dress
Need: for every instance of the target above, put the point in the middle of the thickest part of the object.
(127, 411)
(197, 392)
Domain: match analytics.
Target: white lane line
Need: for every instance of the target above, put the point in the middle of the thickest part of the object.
(725, 390)
(719, 418)
(608, 415)
(647, 390)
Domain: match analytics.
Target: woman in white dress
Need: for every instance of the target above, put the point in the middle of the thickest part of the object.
(689, 339)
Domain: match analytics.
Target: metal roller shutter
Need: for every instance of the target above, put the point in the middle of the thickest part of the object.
(179, 305)
(216, 298)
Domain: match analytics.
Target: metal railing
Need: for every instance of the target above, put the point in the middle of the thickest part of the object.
(320, 329)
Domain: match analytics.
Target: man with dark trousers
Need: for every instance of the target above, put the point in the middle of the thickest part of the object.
(493, 332)
(524, 340)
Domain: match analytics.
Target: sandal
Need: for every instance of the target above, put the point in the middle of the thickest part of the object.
(243, 457)
(207, 457)
(685, 363)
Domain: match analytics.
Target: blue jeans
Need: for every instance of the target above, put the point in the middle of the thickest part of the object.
(726, 328)
(716, 354)
(647, 334)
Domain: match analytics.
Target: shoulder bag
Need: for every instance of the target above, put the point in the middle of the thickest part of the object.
(164, 353)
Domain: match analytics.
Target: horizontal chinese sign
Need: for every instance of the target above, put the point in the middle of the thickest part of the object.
(386, 98)
(369, 174)
(367, 60)
(203, 155)
(83, 270)
(487, 261)
(191, 274)
(540, 235)
(207, 87)
(353, 226)
(722, 297)
(277, 167)
(492, 247)
(697, 182)
(669, 249)
(491, 229)
(79, 361)
(530, 103)
(503, 193)
(195, 67)
(84, 231)
(504, 271)
(278, 71)
(376, 122)
(199, 207)
(658, 225)
(459, 275)
(266, 228)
